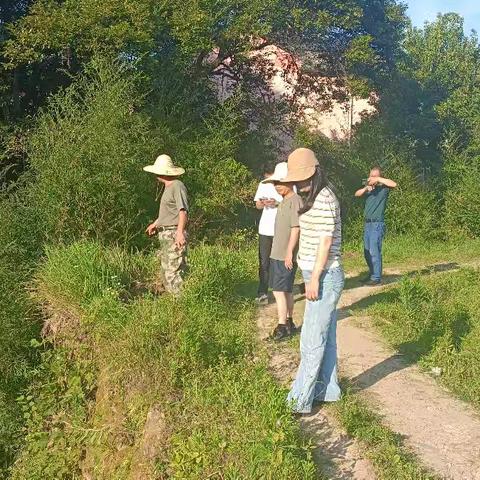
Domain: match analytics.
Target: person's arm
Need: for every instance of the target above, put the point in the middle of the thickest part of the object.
(152, 229)
(387, 182)
(292, 243)
(384, 181)
(260, 197)
(362, 191)
(181, 199)
(312, 287)
(180, 237)
(271, 203)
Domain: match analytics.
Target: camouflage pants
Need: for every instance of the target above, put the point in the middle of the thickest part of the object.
(173, 261)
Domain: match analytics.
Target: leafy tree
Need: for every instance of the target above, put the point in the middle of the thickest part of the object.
(435, 75)
(441, 57)
(332, 38)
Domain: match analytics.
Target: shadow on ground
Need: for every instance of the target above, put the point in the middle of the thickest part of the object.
(408, 352)
(371, 376)
(356, 281)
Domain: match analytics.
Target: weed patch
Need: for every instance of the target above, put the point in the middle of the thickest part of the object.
(192, 362)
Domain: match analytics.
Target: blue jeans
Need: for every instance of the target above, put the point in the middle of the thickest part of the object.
(372, 241)
(317, 374)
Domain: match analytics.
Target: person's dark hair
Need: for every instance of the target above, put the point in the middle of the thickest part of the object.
(377, 167)
(268, 169)
(317, 183)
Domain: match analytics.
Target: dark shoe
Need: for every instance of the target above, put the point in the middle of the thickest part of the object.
(280, 333)
(373, 283)
(291, 327)
(157, 287)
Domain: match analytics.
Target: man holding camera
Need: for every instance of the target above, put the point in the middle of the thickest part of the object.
(376, 191)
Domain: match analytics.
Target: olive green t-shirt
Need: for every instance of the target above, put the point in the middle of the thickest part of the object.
(173, 200)
(287, 218)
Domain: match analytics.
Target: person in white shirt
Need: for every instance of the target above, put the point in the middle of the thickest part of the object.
(266, 199)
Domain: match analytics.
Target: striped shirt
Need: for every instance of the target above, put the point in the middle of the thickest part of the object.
(322, 220)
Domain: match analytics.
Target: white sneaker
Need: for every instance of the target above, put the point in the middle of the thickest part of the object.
(262, 299)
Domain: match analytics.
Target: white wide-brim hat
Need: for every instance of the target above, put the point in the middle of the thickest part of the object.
(281, 171)
(164, 166)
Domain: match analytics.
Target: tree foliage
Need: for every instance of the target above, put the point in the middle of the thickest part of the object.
(358, 37)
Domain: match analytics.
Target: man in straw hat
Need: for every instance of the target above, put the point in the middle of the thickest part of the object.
(171, 222)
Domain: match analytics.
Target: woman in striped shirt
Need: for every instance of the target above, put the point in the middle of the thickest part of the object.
(319, 258)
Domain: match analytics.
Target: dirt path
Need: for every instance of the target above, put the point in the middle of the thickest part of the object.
(338, 455)
(443, 431)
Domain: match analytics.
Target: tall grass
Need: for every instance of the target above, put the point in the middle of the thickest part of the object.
(121, 356)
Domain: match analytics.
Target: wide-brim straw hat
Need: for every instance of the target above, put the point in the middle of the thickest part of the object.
(281, 170)
(164, 166)
(302, 164)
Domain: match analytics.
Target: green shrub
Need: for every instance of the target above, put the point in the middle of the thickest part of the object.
(55, 411)
(462, 203)
(19, 324)
(86, 156)
(412, 207)
(220, 186)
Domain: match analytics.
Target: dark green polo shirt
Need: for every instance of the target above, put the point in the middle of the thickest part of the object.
(376, 203)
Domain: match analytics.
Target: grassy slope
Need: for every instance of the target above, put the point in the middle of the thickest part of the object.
(433, 320)
(120, 358)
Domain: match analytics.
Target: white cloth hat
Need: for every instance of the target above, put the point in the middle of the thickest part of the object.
(281, 171)
(164, 166)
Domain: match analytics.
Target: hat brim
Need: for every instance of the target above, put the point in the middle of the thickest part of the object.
(272, 179)
(169, 172)
(299, 175)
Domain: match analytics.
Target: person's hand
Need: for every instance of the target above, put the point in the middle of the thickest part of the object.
(180, 239)
(311, 289)
(270, 203)
(151, 230)
(369, 188)
(289, 261)
(372, 181)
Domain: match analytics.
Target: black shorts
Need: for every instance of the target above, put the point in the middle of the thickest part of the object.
(281, 279)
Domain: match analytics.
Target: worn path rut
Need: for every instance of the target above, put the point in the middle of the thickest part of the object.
(443, 431)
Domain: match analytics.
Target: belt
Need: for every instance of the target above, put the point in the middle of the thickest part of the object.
(367, 220)
(164, 229)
